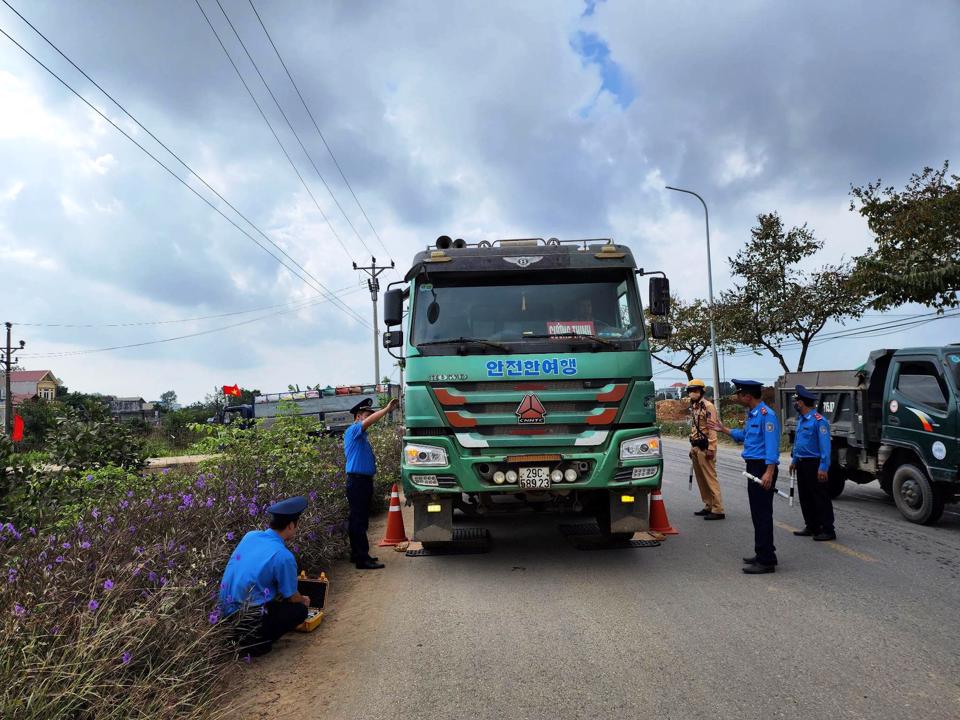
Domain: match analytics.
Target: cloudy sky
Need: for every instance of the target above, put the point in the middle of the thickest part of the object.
(479, 120)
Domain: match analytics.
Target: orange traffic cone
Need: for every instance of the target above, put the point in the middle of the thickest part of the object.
(395, 533)
(658, 515)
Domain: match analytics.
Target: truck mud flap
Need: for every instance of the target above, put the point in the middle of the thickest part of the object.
(629, 510)
(432, 519)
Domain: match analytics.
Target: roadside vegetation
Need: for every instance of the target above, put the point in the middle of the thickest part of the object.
(109, 577)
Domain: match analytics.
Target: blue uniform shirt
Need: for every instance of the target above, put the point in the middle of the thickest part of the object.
(261, 568)
(760, 435)
(356, 446)
(813, 439)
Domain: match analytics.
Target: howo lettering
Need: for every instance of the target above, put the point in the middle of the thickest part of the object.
(527, 382)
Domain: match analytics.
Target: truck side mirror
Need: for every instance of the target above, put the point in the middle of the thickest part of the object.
(393, 339)
(660, 330)
(392, 308)
(659, 304)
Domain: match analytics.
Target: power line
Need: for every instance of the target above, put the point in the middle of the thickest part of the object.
(270, 126)
(342, 292)
(71, 353)
(290, 125)
(317, 127)
(321, 289)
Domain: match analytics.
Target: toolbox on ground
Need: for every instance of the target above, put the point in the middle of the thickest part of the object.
(317, 590)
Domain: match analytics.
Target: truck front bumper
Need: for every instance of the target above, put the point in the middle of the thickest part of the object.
(460, 473)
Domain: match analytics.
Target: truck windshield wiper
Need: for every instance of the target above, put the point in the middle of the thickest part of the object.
(467, 341)
(573, 336)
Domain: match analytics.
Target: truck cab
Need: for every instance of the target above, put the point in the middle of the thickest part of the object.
(895, 419)
(527, 382)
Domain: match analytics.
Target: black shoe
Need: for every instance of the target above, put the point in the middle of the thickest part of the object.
(703, 512)
(371, 558)
(823, 536)
(368, 565)
(758, 569)
(714, 516)
(753, 560)
(806, 532)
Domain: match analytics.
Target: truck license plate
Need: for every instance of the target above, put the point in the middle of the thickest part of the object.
(534, 478)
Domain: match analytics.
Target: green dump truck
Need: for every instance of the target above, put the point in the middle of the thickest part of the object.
(527, 382)
(895, 419)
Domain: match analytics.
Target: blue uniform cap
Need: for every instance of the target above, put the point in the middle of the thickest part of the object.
(747, 383)
(366, 404)
(290, 506)
(805, 394)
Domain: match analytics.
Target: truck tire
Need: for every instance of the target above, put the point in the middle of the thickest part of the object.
(917, 499)
(836, 480)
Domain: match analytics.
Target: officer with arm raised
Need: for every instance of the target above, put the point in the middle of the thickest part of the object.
(811, 463)
(761, 451)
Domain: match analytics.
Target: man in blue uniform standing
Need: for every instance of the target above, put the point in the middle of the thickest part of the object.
(361, 467)
(761, 451)
(811, 463)
(261, 581)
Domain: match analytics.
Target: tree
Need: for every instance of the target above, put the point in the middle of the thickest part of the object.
(777, 301)
(690, 336)
(916, 252)
(168, 400)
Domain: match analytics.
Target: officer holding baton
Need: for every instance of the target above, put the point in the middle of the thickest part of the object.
(811, 463)
(761, 451)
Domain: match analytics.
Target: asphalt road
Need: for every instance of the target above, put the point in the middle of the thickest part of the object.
(862, 628)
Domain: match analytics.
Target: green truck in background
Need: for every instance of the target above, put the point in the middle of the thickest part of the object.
(528, 382)
(895, 419)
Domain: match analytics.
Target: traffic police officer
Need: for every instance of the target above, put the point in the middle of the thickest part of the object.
(703, 451)
(811, 462)
(361, 467)
(761, 451)
(260, 581)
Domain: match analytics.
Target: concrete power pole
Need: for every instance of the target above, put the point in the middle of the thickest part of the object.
(374, 285)
(7, 366)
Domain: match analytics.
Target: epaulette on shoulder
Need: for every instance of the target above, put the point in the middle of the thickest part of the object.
(818, 416)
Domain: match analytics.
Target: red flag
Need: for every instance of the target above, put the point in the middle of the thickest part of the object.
(232, 390)
(17, 434)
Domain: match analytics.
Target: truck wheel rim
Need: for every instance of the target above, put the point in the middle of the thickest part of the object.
(911, 493)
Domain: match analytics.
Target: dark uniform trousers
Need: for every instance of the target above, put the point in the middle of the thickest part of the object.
(359, 495)
(761, 512)
(261, 626)
(815, 500)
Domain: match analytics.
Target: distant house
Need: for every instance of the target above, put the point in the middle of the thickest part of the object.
(26, 385)
(129, 408)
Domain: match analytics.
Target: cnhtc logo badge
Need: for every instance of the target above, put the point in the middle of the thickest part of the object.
(525, 260)
(530, 411)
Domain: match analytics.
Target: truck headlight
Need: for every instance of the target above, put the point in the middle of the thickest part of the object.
(425, 455)
(639, 448)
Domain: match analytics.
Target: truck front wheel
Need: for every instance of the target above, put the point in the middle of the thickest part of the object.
(916, 497)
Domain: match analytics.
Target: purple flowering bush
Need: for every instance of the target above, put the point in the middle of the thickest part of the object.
(115, 615)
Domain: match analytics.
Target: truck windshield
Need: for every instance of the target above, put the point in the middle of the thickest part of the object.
(953, 362)
(524, 312)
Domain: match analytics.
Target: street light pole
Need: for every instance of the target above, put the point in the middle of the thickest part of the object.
(713, 332)
(373, 284)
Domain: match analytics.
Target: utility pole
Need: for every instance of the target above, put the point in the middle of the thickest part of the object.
(374, 285)
(7, 366)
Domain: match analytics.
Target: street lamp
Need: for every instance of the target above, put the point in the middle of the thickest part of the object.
(713, 332)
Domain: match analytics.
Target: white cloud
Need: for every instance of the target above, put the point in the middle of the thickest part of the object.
(71, 208)
(102, 164)
(10, 194)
